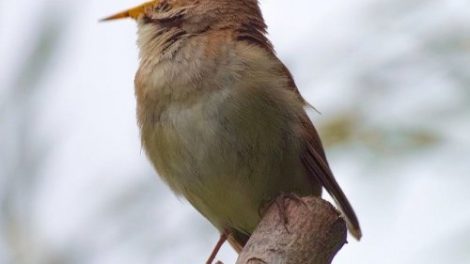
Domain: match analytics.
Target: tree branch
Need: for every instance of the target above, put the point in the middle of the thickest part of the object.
(296, 231)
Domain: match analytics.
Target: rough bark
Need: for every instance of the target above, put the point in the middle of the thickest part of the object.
(306, 230)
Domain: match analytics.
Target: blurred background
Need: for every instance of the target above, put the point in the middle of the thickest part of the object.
(391, 79)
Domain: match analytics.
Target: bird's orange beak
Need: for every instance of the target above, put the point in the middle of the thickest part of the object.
(134, 12)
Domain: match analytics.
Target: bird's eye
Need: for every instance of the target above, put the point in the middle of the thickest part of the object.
(163, 6)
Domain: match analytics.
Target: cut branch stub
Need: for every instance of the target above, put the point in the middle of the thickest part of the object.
(296, 231)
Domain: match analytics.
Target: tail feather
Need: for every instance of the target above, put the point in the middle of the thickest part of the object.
(322, 173)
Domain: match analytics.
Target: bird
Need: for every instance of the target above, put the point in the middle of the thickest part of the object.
(220, 116)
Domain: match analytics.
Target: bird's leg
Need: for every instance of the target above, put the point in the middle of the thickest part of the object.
(222, 239)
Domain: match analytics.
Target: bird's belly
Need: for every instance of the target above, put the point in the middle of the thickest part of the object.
(226, 157)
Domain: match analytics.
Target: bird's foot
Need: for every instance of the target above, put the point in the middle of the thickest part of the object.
(280, 203)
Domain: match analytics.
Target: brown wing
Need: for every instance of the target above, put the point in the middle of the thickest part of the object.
(316, 165)
(317, 168)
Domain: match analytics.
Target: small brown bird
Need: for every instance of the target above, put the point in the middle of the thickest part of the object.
(220, 115)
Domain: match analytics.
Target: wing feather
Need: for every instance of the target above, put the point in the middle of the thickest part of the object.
(316, 166)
